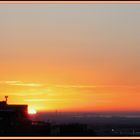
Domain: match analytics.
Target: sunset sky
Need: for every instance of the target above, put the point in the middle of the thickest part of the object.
(71, 57)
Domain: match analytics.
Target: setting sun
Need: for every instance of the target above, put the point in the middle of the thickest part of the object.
(32, 111)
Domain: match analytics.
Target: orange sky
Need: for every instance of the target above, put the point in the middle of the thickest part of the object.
(70, 57)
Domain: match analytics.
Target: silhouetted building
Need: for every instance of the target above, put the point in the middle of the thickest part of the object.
(14, 121)
(12, 111)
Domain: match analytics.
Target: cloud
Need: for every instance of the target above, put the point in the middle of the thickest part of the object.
(36, 100)
(42, 99)
(75, 86)
(96, 86)
(25, 94)
(20, 83)
(9, 82)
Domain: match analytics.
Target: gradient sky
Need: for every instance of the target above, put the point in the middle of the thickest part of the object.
(71, 57)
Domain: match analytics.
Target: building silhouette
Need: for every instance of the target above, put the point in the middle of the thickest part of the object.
(12, 111)
(15, 121)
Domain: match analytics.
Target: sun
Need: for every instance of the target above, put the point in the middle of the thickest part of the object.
(32, 111)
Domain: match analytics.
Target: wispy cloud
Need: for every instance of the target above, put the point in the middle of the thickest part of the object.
(36, 100)
(21, 83)
(75, 86)
(24, 94)
(96, 86)
(10, 82)
(42, 99)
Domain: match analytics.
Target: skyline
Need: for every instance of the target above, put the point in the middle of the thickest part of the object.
(71, 57)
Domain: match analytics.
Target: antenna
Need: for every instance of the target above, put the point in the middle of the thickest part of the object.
(6, 98)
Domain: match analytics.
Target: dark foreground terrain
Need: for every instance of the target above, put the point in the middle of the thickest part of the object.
(95, 126)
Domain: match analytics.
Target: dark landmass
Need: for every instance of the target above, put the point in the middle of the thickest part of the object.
(69, 124)
(40, 128)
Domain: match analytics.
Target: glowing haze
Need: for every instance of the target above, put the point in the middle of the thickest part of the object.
(71, 57)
